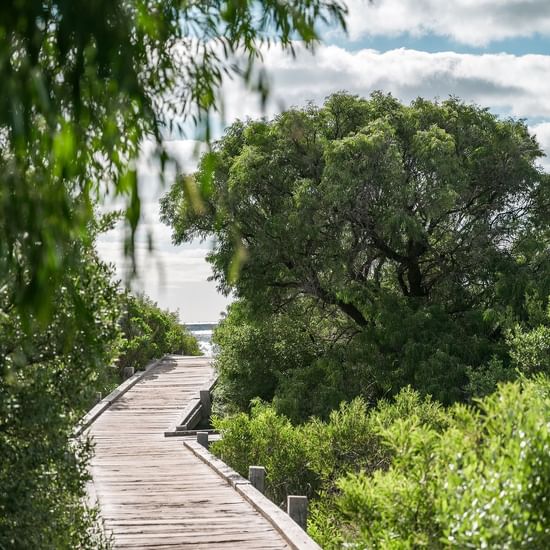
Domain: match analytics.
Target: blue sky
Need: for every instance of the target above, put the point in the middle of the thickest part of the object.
(538, 44)
(495, 53)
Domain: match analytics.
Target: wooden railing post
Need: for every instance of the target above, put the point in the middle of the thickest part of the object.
(296, 508)
(206, 403)
(256, 476)
(202, 439)
(127, 372)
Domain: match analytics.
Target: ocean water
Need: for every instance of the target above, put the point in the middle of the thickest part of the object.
(203, 333)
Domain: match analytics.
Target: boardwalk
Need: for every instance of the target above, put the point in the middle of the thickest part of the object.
(155, 493)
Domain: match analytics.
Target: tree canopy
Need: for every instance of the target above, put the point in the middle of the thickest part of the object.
(422, 228)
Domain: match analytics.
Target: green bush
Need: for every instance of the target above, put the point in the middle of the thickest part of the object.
(267, 439)
(483, 482)
(410, 473)
(350, 440)
(149, 332)
(48, 377)
(310, 458)
(528, 352)
(257, 354)
(280, 358)
(530, 349)
(484, 381)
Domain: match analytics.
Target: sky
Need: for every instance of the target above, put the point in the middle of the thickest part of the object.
(495, 53)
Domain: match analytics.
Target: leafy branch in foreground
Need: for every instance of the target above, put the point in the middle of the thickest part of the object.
(84, 83)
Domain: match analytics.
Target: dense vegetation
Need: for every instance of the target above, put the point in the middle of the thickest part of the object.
(371, 246)
(49, 382)
(410, 473)
(388, 351)
(380, 245)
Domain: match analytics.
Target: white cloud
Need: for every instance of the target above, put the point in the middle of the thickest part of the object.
(473, 22)
(510, 84)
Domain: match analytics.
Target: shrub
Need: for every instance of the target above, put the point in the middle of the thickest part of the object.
(410, 473)
(256, 354)
(484, 381)
(350, 440)
(530, 350)
(481, 483)
(310, 458)
(48, 376)
(150, 332)
(282, 357)
(267, 439)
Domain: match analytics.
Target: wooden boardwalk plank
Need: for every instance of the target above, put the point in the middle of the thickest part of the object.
(154, 492)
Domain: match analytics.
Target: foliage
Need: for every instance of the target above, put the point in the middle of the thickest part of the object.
(309, 458)
(259, 354)
(149, 332)
(530, 349)
(282, 357)
(269, 440)
(86, 82)
(410, 473)
(481, 483)
(349, 440)
(46, 384)
(420, 230)
(49, 381)
(484, 381)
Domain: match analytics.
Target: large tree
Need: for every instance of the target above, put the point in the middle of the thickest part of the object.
(420, 225)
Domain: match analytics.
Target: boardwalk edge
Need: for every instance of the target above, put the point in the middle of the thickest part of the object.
(192, 413)
(296, 537)
(108, 400)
